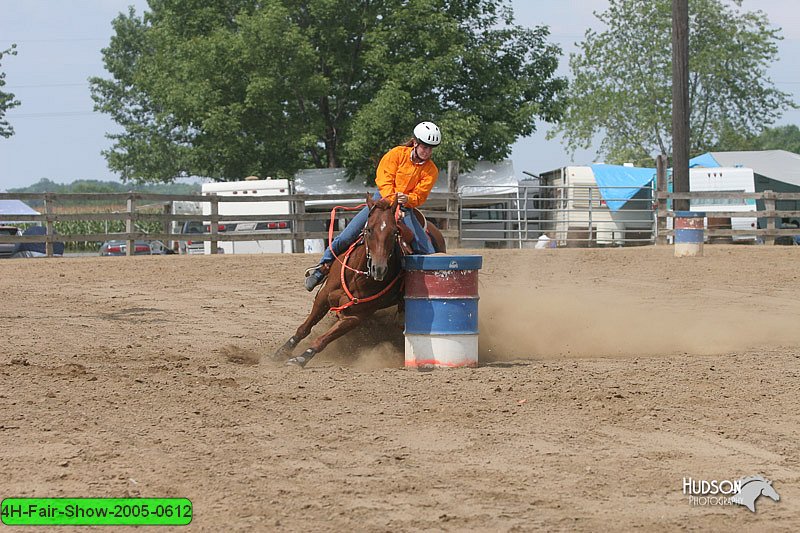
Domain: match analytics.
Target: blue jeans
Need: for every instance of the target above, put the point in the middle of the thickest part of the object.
(421, 245)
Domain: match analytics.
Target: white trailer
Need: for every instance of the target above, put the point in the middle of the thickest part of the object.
(249, 189)
(580, 212)
(724, 179)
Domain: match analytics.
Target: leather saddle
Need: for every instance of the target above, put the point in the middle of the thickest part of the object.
(407, 236)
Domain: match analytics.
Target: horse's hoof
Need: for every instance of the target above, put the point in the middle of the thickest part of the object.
(277, 357)
(285, 350)
(297, 362)
(280, 354)
(303, 359)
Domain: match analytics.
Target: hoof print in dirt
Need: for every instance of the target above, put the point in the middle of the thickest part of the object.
(234, 354)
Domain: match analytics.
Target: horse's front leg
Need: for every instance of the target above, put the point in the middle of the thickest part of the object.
(345, 324)
(318, 311)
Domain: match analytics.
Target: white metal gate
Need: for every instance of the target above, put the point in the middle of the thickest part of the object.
(579, 215)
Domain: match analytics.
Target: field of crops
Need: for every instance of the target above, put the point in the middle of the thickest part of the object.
(88, 227)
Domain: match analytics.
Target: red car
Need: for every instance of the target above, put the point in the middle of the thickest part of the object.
(120, 247)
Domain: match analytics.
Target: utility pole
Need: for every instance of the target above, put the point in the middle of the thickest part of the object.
(680, 101)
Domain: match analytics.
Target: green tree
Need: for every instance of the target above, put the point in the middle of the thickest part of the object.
(621, 91)
(7, 100)
(779, 138)
(97, 186)
(230, 88)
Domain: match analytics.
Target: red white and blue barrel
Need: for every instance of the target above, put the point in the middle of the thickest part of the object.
(441, 300)
(689, 233)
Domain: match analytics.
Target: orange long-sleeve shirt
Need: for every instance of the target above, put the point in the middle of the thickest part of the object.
(397, 173)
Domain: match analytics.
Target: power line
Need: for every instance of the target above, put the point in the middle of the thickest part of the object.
(43, 85)
(54, 40)
(86, 84)
(11, 116)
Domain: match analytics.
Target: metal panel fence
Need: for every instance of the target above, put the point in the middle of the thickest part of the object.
(574, 216)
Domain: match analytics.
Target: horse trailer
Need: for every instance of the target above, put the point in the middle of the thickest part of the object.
(578, 209)
(724, 180)
(249, 189)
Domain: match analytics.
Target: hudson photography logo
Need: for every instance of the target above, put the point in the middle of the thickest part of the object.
(744, 491)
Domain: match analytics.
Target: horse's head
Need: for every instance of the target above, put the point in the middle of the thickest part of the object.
(768, 491)
(380, 236)
(751, 488)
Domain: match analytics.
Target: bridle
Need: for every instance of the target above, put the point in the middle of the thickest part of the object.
(363, 238)
(365, 234)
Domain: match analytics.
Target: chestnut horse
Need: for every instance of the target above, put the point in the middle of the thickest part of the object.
(366, 278)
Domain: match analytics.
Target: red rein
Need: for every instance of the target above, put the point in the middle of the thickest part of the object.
(353, 300)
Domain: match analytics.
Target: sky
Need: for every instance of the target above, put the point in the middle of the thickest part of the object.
(58, 136)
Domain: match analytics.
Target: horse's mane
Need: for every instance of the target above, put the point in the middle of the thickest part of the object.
(745, 480)
(383, 203)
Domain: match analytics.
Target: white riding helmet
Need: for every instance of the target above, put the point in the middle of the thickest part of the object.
(428, 133)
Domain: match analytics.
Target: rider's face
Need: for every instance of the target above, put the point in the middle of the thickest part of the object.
(424, 151)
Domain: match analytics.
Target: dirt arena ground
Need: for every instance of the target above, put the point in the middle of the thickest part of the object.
(607, 377)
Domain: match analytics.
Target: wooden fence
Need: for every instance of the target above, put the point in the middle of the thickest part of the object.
(442, 207)
(771, 217)
(300, 213)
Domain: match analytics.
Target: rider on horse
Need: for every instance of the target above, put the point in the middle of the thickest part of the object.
(405, 171)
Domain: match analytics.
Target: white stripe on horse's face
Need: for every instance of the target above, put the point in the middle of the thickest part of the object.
(383, 225)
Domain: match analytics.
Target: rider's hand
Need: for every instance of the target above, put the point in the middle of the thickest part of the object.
(402, 198)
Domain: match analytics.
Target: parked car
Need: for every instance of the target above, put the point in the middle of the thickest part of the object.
(37, 249)
(7, 249)
(196, 246)
(789, 239)
(120, 247)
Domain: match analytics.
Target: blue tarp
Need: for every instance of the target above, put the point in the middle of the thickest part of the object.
(629, 179)
(706, 160)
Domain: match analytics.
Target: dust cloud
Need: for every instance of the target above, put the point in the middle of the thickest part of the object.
(555, 322)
